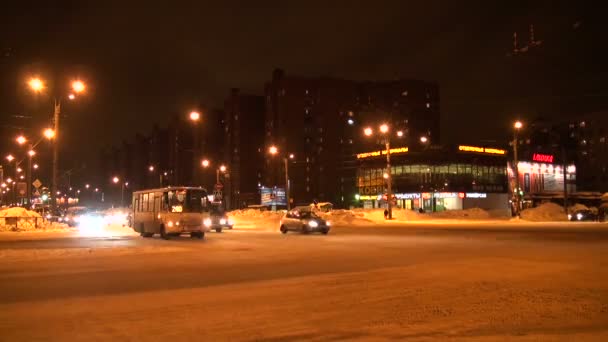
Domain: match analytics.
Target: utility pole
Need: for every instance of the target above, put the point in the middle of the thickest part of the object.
(54, 185)
(389, 180)
(28, 177)
(286, 162)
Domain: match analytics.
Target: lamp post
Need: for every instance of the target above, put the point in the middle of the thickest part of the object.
(273, 150)
(37, 85)
(384, 131)
(517, 125)
(122, 189)
(195, 118)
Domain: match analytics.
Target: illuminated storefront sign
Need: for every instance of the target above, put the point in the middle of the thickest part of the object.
(445, 195)
(476, 195)
(396, 150)
(367, 197)
(487, 150)
(408, 196)
(543, 158)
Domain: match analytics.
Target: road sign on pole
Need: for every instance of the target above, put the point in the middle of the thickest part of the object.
(37, 183)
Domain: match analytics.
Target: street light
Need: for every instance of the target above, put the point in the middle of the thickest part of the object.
(21, 140)
(274, 151)
(205, 163)
(195, 116)
(10, 158)
(517, 126)
(424, 139)
(151, 168)
(49, 133)
(122, 189)
(384, 129)
(36, 85)
(35, 166)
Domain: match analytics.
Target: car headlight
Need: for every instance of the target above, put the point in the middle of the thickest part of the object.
(48, 216)
(569, 217)
(222, 221)
(207, 222)
(170, 223)
(313, 224)
(579, 216)
(76, 219)
(328, 223)
(230, 222)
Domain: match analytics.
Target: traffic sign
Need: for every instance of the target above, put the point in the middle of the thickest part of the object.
(37, 183)
(217, 195)
(218, 186)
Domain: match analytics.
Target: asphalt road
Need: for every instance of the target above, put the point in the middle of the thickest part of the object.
(465, 282)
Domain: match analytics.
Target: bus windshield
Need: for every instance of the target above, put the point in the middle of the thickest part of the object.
(187, 201)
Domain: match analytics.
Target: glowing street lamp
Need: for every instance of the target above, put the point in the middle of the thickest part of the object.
(274, 151)
(223, 168)
(516, 192)
(205, 163)
(78, 86)
(115, 179)
(36, 84)
(424, 139)
(49, 133)
(31, 153)
(151, 168)
(71, 96)
(35, 166)
(518, 124)
(195, 116)
(384, 129)
(21, 140)
(10, 158)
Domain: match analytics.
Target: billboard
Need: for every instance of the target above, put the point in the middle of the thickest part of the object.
(273, 196)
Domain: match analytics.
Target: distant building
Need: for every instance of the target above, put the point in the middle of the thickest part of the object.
(243, 148)
(581, 141)
(320, 120)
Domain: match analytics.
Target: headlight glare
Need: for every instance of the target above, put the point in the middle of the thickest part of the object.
(313, 224)
(207, 222)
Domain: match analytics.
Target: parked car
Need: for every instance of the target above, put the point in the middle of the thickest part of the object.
(219, 220)
(304, 220)
(583, 215)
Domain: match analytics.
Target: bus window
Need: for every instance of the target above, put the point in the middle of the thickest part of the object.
(151, 201)
(165, 202)
(197, 201)
(136, 204)
(144, 203)
(177, 200)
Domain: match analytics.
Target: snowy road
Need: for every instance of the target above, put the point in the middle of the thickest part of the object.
(416, 282)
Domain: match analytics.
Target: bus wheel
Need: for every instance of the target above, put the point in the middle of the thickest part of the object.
(200, 235)
(218, 230)
(163, 232)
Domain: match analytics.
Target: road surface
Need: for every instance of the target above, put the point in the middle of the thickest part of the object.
(475, 282)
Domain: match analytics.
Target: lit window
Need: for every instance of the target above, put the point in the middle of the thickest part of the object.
(350, 141)
(404, 93)
(582, 124)
(428, 105)
(306, 92)
(603, 139)
(307, 189)
(350, 113)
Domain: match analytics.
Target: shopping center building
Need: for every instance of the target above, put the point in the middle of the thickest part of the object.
(436, 178)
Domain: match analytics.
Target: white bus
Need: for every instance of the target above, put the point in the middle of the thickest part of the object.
(171, 211)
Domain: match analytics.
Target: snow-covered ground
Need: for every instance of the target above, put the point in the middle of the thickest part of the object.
(267, 220)
(360, 285)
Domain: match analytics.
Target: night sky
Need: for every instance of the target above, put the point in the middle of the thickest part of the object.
(145, 63)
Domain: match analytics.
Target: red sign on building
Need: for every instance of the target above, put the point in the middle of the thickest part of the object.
(543, 158)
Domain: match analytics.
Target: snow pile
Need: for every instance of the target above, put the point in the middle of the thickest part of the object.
(252, 218)
(18, 212)
(344, 217)
(544, 212)
(21, 219)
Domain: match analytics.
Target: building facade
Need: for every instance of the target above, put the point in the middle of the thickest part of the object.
(320, 121)
(436, 178)
(243, 148)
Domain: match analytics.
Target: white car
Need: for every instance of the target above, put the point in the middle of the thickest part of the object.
(304, 220)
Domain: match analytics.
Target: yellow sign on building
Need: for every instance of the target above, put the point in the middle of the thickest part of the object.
(396, 150)
(477, 149)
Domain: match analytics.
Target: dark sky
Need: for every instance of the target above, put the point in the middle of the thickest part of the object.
(146, 62)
